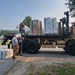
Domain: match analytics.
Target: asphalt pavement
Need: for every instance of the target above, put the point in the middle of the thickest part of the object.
(6, 64)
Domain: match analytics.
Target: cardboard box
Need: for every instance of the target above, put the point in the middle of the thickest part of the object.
(10, 53)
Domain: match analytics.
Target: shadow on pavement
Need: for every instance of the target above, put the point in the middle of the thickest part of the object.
(50, 54)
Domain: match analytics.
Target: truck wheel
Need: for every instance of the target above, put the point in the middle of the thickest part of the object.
(39, 46)
(71, 48)
(24, 45)
(32, 47)
(65, 49)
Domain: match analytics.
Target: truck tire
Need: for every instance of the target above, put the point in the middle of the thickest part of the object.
(32, 47)
(71, 48)
(65, 49)
(24, 46)
(39, 46)
(66, 45)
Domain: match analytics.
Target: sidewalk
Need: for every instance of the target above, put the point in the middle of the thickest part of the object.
(6, 64)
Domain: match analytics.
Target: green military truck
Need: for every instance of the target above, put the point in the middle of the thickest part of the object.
(65, 39)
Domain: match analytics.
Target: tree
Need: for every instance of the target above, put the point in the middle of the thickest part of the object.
(4, 32)
(27, 20)
(71, 6)
(21, 26)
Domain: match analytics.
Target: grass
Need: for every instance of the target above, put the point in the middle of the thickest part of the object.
(59, 69)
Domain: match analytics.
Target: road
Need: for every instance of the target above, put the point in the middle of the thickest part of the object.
(56, 55)
(44, 57)
(50, 52)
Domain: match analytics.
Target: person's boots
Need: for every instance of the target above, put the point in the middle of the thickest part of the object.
(14, 57)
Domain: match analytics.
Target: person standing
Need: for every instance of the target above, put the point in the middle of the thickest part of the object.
(15, 46)
(20, 39)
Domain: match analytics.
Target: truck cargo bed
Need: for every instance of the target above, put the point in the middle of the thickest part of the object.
(46, 36)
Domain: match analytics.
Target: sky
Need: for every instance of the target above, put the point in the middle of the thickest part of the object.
(12, 12)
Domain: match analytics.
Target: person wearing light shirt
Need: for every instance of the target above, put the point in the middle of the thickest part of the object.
(15, 46)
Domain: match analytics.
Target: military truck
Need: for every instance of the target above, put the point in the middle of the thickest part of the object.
(65, 39)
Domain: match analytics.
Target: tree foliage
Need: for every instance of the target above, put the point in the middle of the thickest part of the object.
(6, 32)
(27, 21)
(71, 6)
